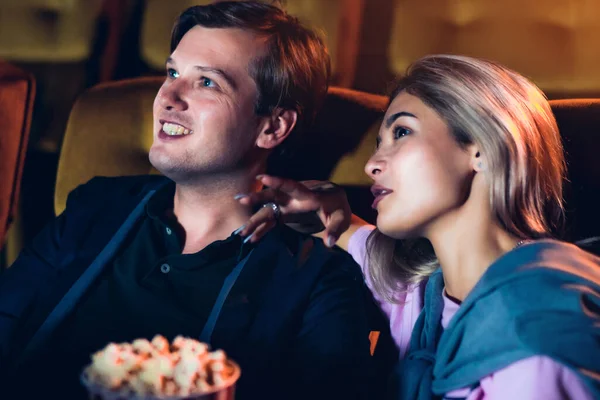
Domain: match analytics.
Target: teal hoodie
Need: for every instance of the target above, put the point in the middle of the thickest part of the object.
(541, 299)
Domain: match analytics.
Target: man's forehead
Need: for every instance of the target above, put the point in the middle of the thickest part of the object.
(222, 44)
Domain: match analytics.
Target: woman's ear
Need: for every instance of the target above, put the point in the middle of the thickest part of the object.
(276, 128)
(477, 160)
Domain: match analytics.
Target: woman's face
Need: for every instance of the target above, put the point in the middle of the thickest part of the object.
(421, 175)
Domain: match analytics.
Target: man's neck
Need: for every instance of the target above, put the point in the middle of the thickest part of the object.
(208, 212)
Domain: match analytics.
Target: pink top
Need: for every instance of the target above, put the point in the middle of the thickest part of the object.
(536, 377)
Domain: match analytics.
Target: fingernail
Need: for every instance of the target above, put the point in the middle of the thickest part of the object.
(259, 177)
(248, 238)
(330, 241)
(238, 230)
(240, 196)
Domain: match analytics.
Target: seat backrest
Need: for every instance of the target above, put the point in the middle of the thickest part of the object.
(579, 124)
(553, 42)
(109, 133)
(48, 30)
(17, 92)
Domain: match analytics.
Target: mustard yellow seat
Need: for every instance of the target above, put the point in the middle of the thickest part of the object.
(47, 30)
(553, 42)
(109, 133)
(338, 20)
(53, 39)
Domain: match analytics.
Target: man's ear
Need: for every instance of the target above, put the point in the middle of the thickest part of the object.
(276, 128)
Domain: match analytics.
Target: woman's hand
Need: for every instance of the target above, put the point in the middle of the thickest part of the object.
(308, 206)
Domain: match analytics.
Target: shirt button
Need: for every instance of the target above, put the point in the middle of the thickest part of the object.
(165, 268)
(169, 231)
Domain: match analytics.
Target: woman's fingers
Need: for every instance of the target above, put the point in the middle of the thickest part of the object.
(263, 197)
(337, 223)
(297, 202)
(295, 190)
(262, 216)
(290, 196)
(260, 231)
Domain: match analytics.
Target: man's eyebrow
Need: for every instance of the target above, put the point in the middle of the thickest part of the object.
(397, 115)
(216, 71)
(219, 72)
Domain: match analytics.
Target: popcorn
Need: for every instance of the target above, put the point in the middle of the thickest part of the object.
(110, 367)
(185, 345)
(218, 355)
(142, 346)
(158, 368)
(160, 344)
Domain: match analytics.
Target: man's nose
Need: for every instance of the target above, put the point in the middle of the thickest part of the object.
(172, 97)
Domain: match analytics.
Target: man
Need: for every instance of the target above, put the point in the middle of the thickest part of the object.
(134, 257)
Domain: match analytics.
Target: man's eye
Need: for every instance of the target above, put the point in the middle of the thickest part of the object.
(207, 82)
(401, 131)
(171, 73)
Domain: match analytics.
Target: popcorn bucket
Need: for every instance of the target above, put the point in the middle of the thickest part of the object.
(223, 392)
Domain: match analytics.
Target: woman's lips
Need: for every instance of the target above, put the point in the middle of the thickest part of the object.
(377, 200)
(379, 192)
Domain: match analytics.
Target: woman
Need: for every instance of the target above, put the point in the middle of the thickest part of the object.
(467, 176)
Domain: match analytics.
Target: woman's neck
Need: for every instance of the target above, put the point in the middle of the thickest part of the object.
(466, 243)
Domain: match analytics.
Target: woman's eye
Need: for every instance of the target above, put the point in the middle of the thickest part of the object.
(171, 73)
(401, 131)
(207, 82)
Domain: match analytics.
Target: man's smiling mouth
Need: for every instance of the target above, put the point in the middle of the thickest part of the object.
(173, 129)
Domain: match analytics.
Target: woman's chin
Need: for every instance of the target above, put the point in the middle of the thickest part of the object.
(390, 231)
(395, 229)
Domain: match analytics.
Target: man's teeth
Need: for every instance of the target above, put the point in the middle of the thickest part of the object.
(175, 129)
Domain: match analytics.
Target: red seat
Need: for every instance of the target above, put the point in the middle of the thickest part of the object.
(17, 91)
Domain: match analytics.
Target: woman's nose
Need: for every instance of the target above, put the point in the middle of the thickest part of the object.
(374, 166)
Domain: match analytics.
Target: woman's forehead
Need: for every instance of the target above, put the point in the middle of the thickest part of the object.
(408, 105)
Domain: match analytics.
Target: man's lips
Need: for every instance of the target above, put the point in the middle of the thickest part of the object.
(162, 135)
(379, 192)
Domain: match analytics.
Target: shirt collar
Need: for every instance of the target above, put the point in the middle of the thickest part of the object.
(161, 201)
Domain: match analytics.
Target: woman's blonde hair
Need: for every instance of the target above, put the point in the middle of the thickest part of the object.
(511, 122)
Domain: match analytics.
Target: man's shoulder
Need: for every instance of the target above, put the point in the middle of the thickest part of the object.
(342, 262)
(331, 262)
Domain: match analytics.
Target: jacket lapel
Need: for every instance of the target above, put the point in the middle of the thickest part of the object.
(247, 295)
(272, 291)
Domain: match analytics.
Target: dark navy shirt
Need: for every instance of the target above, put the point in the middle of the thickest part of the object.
(150, 289)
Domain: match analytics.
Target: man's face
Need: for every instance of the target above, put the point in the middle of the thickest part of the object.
(204, 119)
